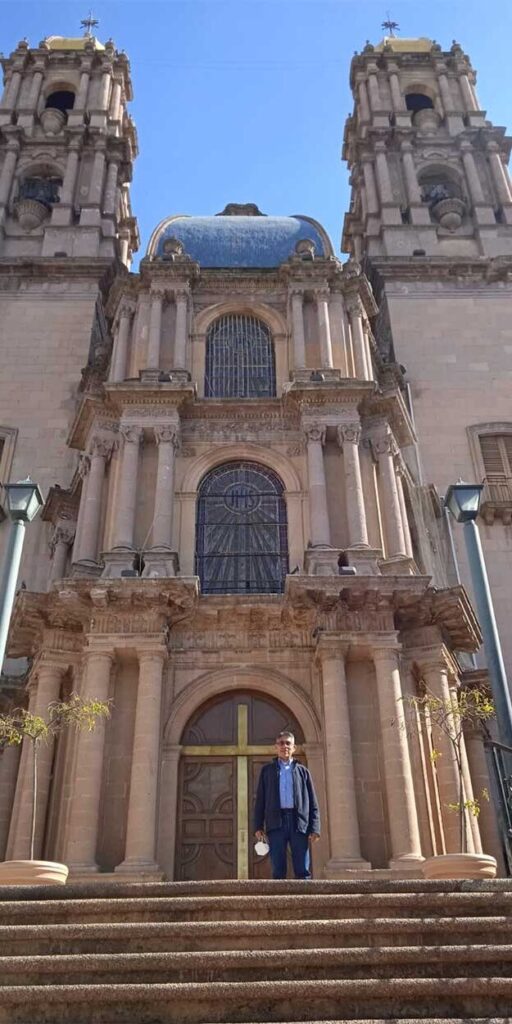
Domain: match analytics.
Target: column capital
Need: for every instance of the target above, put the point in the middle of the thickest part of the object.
(101, 651)
(153, 654)
(348, 433)
(406, 146)
(181, 291)
(131, 433)
(331, 648)
(126, 309)
(84, 465)
(102, 446)
(384, 444)
(296, 289)
(167, 434)
(315, 432)
(387, 649)
(322, 292)
(62, 534)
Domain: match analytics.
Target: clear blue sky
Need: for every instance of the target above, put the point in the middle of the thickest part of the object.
(245, 100)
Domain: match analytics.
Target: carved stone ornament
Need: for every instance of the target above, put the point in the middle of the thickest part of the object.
(315, 432)
(131, 434)
(349, 433)
(168, 434)
(62, 535)
(385, 445)
(102, 447)
(84, 465)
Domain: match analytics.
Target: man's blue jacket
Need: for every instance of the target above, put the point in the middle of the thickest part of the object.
(267, 809)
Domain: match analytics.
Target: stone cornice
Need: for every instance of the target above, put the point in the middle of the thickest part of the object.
(99, 607)
(14, 270)
(439, 268)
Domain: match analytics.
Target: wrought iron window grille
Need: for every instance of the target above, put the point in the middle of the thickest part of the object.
(240, 358)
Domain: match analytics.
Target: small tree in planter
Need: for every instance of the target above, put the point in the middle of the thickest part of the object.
(448, 716)
(20, 724)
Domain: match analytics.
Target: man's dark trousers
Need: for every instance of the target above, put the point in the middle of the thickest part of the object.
(278, 840)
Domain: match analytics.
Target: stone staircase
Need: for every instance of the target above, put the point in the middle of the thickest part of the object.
(210, 952)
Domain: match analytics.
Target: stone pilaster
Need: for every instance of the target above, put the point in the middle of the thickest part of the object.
(62, 539)
(345, 851)
(87, 541)
(128, 482)
(403, 818)
(160, 559)
(141, 826)
(349, 436)
(299, 344)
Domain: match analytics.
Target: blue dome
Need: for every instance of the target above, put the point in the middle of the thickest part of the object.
(239, 240)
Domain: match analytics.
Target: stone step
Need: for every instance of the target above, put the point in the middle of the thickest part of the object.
(258, 1001)
(258, 965)
(266, 907)
(108, 889)
(163, 936)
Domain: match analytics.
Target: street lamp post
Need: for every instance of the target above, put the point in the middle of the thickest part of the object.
(463, 501)
(24, 500)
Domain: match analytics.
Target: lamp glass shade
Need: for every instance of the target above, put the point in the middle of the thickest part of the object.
(463, 501)
(24, 499)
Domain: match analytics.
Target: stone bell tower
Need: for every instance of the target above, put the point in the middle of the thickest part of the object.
(428, 170)
(67, 144)
(66, 149)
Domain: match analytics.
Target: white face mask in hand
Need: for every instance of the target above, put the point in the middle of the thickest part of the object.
(261, 848)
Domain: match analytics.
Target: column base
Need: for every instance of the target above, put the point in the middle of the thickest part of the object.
(322, 560)
(160, 561)
(150, 375)
(340, 865)
(119, 561)
(314, 374)
(86, 569)
(83, 870)
(397, 565)
(364, 560)
(138, 867)
(410, 862)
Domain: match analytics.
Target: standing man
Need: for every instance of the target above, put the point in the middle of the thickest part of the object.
(286, 810)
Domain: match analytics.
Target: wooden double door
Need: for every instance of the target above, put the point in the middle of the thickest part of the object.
(223, 748)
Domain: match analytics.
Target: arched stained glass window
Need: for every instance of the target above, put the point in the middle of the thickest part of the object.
(241, 535)
(240, 361)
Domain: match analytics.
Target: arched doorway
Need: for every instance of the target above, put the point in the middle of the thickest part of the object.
(223, 747)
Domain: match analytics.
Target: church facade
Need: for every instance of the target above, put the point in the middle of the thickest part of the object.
(242, 529)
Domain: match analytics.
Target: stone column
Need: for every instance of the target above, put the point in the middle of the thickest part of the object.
(324, 328)
(47, 690)
(9, 768)
(128, 482)
(88, 536)
(349, 436)
(115, 101)
(62, 539)
(397, 99)
(364, 103)
(359, 347)
(345, 851)
(8, 169)
(403, 817)
(169, 773)
(400, 475)
(474, 184)
(110, 193)
(11, 91)
(317, 490)
(299, 343)
(373, 89)
(446, 93)
(383, 178)
(104, 96)
(167, 439)
(370, 186)
(473, 839)
(468, 94)
(141, 826)
(82, 832)
(155, 331)
(434, 673)
(119, 364)
(181, 335)
(385, 448)
(498, 174)
(411, 180)
(83, 89)
(35, 88)
(67, 192)
(98, 171)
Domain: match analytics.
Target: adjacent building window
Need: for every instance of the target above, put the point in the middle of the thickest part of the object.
(491, 445)
(241, 535)
(240, 360)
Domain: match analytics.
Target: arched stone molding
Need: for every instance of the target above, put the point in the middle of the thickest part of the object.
(294, 496)
(259, 679)
(275, 322)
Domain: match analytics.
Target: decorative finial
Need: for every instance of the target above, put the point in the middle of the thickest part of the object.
(390, 25)
(89, 23)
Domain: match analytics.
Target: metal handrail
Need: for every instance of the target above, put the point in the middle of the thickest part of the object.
(501, 784)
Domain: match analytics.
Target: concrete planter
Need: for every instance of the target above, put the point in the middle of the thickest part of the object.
(459, 865)
(33, 872)
(30, 213)
(52, 120)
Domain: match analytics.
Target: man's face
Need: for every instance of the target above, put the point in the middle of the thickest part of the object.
(285, 747)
